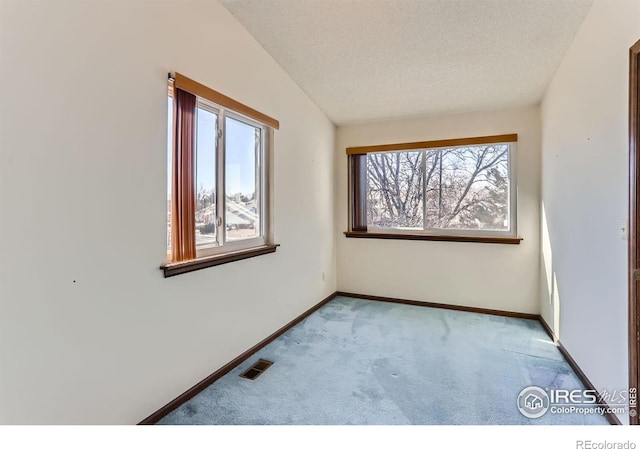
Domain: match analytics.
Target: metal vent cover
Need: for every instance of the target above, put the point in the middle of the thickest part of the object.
(256, 369)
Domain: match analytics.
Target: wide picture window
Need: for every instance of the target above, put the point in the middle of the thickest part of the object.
(461, 189)
(218, 180)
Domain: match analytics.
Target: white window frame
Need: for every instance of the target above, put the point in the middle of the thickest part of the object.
(512, 209)
(222, 245)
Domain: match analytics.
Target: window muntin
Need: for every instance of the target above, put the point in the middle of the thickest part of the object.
(457, 190)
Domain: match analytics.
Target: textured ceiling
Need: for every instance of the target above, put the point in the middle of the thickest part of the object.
(364, 60)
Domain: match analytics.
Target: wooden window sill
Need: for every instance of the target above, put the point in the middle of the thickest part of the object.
(439, 238)
(174, 269)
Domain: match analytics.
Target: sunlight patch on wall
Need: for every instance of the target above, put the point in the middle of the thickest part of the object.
(550, 300)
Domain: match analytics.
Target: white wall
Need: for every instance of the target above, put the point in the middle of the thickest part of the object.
(90, 331)
(585, 193)
(484, 275)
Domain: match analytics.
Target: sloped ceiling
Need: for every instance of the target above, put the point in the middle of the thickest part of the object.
(366, 60)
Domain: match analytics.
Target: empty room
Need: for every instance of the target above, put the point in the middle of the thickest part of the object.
(319, 212)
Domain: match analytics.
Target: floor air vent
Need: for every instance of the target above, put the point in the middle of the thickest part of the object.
(257, 369)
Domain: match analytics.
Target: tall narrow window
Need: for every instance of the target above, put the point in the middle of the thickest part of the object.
(462, 187)
(218, 184)
(206, 152)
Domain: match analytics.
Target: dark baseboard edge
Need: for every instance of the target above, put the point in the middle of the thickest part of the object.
(548, 330)
(200, 386)
(611, 417)
(526, 316)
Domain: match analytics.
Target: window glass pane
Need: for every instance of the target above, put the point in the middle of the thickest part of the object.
(242, 158)
(470, 188)
(432, 194)
(169, 168)
(394, 190)
(206, 141)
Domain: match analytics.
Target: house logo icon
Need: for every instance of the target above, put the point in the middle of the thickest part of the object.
(533, 402)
